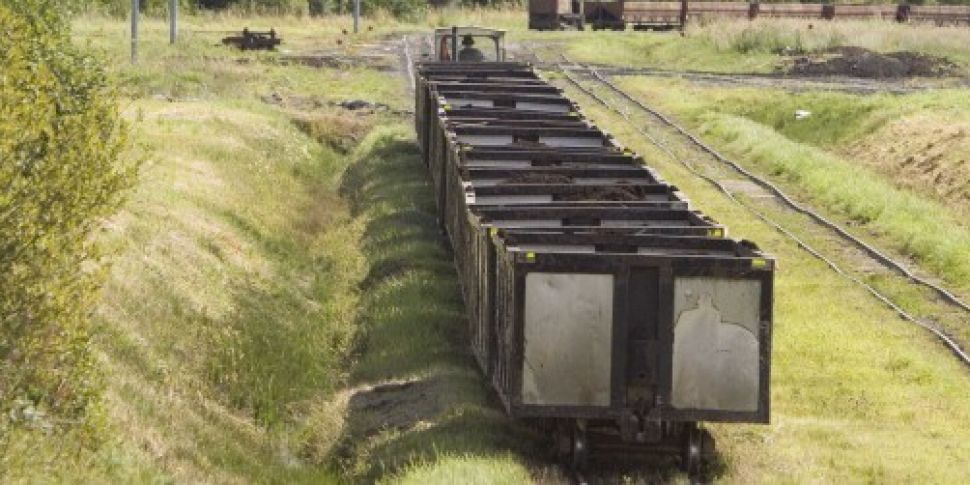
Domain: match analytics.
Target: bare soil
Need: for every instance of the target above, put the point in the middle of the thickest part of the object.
(864, 63)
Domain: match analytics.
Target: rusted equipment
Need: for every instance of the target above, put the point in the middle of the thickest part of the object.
(254, 40)
(663, 15)
(554, 14)
(604, 15)
(597, 298)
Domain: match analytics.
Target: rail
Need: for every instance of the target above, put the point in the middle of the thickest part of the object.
(873, 252)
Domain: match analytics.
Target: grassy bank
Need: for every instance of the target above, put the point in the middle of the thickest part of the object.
(263, 305)
(282, 307)
(908, 200)
(229, 310)
(417, 410)
(858, 395)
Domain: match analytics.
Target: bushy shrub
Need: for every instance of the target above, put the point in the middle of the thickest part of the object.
(60, 140)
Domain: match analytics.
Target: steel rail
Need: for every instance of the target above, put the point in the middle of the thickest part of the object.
(942, 336)
(872, 251)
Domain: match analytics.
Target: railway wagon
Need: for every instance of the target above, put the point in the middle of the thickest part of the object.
(552, 14)
(662, 15)
(600, 303)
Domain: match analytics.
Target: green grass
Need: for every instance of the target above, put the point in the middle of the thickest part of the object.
(230, 306)
(258, 292)
(282, 307)
(858, 395)
(758, 128)
(418, 409)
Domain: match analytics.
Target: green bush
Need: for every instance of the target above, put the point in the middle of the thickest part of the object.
(60, 175)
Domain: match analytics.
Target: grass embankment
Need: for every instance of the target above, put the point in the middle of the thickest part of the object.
(250, 273)
(760, 46)
(229, 246)
(858, 395)
(910, 190)
(417, 409)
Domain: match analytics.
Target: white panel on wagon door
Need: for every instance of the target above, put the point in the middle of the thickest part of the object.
(568, 339)
(716, 361)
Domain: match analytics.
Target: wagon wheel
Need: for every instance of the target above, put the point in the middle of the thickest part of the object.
(580, 446)
(562, 441)
(692, 451)
(571, 444)
(698, 451)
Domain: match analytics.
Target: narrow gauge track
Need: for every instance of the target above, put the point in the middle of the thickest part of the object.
(791, 83)
(766, 201)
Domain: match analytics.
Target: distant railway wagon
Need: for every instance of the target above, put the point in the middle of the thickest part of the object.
(600, 303)
(646, 14)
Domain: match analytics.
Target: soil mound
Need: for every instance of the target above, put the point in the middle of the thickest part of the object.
(862, 62)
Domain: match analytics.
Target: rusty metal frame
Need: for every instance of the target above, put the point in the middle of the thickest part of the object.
(492, 270)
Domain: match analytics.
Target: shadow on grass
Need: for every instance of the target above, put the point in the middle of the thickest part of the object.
(418, 399)
(419, 394)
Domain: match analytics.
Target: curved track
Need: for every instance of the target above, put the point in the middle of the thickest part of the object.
(791, 83)
(868, 258)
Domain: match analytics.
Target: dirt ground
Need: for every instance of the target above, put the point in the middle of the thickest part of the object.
(864, 63)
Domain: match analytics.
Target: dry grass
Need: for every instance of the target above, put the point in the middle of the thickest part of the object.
(926, 152)
(776, 35)
(759, 46)
(908, 194)
(245, 272)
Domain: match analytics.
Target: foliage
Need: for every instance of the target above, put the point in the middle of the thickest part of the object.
(60, 138)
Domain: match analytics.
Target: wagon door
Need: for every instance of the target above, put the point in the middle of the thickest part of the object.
(643, 345)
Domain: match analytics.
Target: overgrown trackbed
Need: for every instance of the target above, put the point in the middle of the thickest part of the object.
(941, 312)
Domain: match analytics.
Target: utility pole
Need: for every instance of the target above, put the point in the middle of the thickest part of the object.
(135, 7)
(173, 21)
(582, 14)
(356, 15)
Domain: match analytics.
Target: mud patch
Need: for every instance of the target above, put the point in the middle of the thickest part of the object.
(864, 63)
(336, 130)
(398, 406)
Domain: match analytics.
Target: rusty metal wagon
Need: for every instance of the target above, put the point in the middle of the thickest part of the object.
(600, 302)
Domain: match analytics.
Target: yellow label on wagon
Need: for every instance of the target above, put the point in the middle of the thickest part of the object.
(530, 257)
(759, 263)
(716, 232)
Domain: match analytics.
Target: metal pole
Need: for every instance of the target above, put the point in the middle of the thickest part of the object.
(173, 21)
(356, 15)
(135, 7)
(582, 14)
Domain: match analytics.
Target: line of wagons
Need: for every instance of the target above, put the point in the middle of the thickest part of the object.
(661, 15)
(600, 303)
